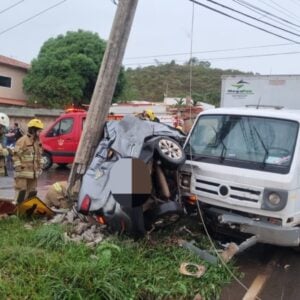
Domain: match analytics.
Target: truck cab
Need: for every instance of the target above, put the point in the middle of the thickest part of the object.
(243, 170)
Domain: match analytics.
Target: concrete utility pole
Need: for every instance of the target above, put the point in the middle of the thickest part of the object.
(103, 93)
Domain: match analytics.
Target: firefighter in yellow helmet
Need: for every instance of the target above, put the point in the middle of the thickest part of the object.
(149, 115)
(4, 123)
(27, 160)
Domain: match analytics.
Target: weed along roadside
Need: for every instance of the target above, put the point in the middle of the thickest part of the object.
(38, 262)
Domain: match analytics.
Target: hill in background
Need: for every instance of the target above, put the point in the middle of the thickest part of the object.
(152, 83)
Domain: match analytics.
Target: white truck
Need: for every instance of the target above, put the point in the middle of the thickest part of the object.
(243, 163)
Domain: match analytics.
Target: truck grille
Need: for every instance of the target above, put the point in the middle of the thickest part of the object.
(228, 191)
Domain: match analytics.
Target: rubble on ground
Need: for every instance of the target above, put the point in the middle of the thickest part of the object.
(83, 229)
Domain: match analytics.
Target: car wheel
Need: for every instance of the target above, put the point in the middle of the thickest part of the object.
(170, 152)
(47, 161)
(163, 215)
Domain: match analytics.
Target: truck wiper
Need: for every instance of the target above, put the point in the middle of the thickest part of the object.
(264, 146)
(224, 149)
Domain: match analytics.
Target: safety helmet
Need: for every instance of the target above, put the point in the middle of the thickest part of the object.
(4, 120)
(150, 114)
(35, 123)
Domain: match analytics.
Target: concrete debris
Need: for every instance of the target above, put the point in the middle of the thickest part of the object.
(81, 230)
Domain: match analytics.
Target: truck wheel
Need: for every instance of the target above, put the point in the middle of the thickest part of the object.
(163, 215)
(47, 160)
(170, 152)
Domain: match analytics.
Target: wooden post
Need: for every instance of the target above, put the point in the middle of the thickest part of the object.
(103, 93)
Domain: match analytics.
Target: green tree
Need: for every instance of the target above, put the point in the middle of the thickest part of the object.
(66, 70)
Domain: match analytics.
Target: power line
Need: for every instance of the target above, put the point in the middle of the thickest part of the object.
(251, 17)
(210, 51)
(32, 17)
(227, 57)
(11, 6)
(265, 14)
(249, 24)
(285, 10)
(278, 10)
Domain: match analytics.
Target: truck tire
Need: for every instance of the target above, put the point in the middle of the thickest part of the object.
(170, 153)
(47, 161)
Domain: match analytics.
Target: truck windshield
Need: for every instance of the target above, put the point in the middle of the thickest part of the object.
(244, 141)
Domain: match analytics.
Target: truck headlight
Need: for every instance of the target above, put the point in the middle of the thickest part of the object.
(185, 180)
(274, 199)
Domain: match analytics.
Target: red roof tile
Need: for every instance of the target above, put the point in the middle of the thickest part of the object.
(13, 62)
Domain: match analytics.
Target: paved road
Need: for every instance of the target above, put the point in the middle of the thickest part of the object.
(47, 178)
(270, 272)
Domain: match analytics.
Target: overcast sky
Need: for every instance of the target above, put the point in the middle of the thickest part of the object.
(162, 30)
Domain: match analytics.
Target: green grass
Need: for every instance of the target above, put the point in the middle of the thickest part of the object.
(38, 264)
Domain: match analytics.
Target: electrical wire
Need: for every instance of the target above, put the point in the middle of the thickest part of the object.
(191, 50)
(210, 51)
(253, 18)
(32, 17)
(285, 10)
(278, 10)
(268, 16)
(245, 3)
(249, 24)
(11, 6)
(226, 57)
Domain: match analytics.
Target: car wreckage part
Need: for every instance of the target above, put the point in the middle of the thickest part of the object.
(163, 215)
(170, 152)
(162, 181)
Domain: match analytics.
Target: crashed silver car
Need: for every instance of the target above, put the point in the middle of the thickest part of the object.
(131, 183)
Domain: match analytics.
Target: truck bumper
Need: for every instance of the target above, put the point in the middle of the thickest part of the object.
(265, 232)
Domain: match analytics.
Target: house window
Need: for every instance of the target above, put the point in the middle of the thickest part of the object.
(5, 81)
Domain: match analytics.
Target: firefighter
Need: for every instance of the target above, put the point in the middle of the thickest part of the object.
(57, 195)
(4, 124)
(149, 115)
(28, 161)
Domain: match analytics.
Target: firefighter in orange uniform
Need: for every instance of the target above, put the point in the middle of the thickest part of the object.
(28, 161)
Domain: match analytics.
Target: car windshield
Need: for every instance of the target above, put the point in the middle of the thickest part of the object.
(244, 140)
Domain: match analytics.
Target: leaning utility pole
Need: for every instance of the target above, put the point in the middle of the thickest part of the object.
(103, 93)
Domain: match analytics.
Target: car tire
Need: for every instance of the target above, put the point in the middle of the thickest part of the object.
(170, 153)
(163, 215)
(47, 161)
